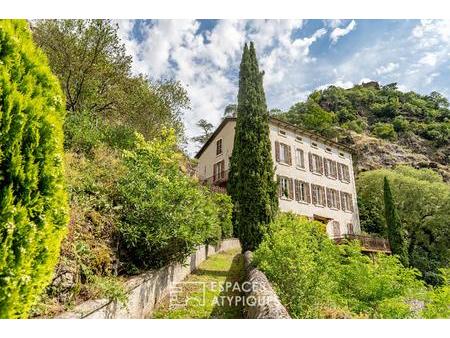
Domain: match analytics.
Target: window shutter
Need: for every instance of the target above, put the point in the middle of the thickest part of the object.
(342, 201)
(279, 186)
(324, 202)
(320, 164)
(329, 202)
(291, 188)
(350, 202)
(326, 162)
(289, 155)
(346, 174)
(314, 193)
(310, 161)
(277, 151)
(302, 159)
(308, 192)
(350, 228)
(334, 169)
(336, 196)
(297, 190)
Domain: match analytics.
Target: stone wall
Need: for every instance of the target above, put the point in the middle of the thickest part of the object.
(147, 289)
(261, 300)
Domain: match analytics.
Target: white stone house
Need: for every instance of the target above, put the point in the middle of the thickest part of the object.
(315, 175)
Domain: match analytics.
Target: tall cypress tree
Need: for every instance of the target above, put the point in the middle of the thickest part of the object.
(396, 235)
(251, 185)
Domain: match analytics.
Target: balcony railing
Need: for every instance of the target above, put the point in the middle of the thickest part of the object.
(219, 179)
(368, 243)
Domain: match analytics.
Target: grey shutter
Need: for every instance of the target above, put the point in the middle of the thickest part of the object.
(290, 188)
(277, 151)
(342, 201)
(325, 162)
(350, 204)
(289, 154)
(297, 190)
(329, 202)
(280, 192)
(338, 205)
(310, 161)
(308, 192)
(314, 193)
(320, 164)
(323, 199)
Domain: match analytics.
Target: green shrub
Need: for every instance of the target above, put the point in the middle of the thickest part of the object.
(423, 204)
(225, 209)
(438, 299)
(33, 202)
(315, 278)
(400, 124)
(166, 214)
(385, 131)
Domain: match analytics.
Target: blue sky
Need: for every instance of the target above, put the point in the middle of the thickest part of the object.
(298, 56)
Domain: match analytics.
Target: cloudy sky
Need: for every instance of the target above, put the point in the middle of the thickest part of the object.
(297, 56)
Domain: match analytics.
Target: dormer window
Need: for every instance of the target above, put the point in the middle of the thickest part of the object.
(341, 154)
(219, 147)
(314, 144)
(328, 149)
(282, 132)
(299, 139)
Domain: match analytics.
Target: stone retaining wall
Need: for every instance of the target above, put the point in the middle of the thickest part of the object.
(262, 301)
(147, 289)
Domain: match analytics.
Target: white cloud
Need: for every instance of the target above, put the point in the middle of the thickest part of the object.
(390, 67)
(429, 59)
(337, 33)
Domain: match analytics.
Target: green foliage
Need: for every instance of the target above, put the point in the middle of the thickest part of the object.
(251, 184)
(33, 201)
(438, 302)
(95, 72)
(166, 214)
(225, 210)
(317, 279)
(385, 131)
(381, 110)
(395, 231)
(423, 205)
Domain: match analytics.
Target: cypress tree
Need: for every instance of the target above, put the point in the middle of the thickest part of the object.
(33, 203)
(251, 184)
(396, 235)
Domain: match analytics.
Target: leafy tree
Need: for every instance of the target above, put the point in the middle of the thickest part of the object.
(33, 201)
(230, 110)
(396, 235)
(95, 72)
(207, 128)
(251, 185)
(423, 205)
(384, 131)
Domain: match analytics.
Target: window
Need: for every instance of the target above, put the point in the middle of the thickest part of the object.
(282, 132)
(285, 188)
(343, 172)
(336, 229)
(332, 198)
(219, 147)
(299, 158)
(341, 154)
(350, 229)
(346, 201)
(318, 195)
(314, 144)
(283, 153)
(302, 193)
(328, 149)
(299, 139)
(330, 168)
(219, 171)
(315, 163)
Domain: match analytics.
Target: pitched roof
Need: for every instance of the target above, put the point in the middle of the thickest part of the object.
(286, 125)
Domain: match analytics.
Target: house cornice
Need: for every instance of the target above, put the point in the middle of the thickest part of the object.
(284, 124)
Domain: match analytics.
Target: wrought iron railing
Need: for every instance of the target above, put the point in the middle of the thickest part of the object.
(368, 243)
(218, 179)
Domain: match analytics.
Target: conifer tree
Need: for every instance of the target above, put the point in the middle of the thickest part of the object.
(33, 202)
(251, 184)
(396, 235)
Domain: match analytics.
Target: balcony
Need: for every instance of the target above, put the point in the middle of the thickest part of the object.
(217, 182)
(368, 243)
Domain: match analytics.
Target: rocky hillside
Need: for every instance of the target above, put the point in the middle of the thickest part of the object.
(384, 125)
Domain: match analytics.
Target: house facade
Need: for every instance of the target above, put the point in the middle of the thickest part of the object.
(315, 175)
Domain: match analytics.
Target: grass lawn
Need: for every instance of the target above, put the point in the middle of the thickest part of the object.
(206, 290)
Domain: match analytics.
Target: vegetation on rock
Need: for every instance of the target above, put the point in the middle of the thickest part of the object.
(33, 200)
(251, 185)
